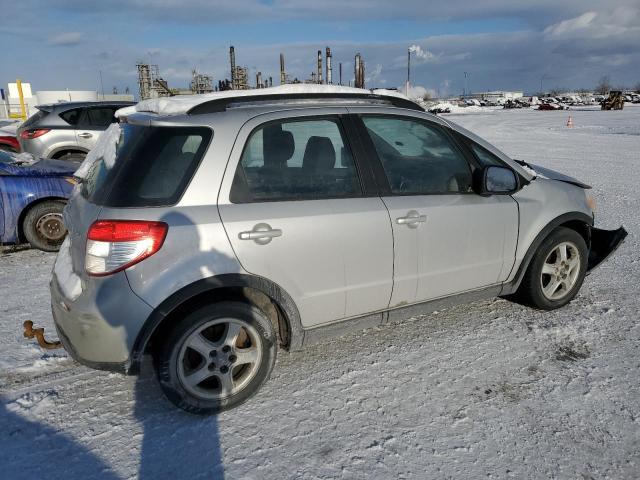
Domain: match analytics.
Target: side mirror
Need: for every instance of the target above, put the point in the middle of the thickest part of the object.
(492, 180)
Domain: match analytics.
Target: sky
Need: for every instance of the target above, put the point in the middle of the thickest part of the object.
(501, 44)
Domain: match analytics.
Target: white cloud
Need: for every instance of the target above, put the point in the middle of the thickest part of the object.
(571, 25)
(66, 39)
(420, 53)
(417, 91)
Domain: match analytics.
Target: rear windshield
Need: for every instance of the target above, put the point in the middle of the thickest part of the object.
(153, 167)
(36, 117)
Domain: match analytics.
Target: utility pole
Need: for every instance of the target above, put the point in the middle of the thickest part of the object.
(101, 85)
(466, 90)
(541, 79)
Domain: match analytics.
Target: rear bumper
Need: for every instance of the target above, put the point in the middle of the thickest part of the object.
(119, 367)
(98, 328)
(603, 244)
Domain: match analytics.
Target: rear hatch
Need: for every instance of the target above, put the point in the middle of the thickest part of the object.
(149, 167)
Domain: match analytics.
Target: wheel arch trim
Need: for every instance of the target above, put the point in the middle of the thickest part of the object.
(210, 284)
(510, 287)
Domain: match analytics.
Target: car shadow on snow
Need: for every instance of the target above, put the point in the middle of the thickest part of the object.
(31, 449)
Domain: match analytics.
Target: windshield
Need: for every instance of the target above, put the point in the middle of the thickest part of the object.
(153, 166)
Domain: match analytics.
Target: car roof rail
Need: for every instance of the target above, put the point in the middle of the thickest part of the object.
(221, 104)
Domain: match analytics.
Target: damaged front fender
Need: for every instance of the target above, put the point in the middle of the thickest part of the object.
(603, 244)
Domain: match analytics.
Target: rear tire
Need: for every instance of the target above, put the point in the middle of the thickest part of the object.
(217, 357)
(556, 271)
(72, 157)
(43, 226)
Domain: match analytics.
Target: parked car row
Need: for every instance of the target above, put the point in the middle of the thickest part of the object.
(8, 139)
(33, 193)
(67, 131)
(35, 185)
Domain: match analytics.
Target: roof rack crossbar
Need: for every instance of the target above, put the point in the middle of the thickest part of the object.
(221, 104)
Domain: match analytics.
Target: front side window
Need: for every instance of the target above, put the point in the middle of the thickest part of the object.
(417, 157)
(485, 157)
(295, 160)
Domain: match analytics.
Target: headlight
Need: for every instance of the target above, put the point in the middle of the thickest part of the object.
(591, 203)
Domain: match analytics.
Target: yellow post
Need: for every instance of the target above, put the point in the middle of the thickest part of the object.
(23, 110)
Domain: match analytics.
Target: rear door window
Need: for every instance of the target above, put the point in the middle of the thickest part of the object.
(153, 166)
(296, 160)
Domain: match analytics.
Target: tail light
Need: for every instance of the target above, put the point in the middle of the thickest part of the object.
(31, 134)
(113, 245)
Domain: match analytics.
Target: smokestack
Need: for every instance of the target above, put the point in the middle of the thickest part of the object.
(328, 55)
(340, 70)
(319, 75)
(408, 70)
(232, 57)
(259, 80)
(283, 77)
(271, 81)
(358, 71)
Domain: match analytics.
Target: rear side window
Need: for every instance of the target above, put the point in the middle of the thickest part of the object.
(153, 167)
(71, 116)
(100, 117)
(418, 157)
(296, 160)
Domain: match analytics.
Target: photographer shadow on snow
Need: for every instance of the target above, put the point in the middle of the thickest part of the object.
(176, 444)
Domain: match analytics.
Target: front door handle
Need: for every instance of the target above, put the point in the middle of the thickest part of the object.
(412, 219)
(85, 135)
(262, 234)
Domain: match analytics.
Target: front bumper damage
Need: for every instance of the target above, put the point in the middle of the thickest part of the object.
(603, 244)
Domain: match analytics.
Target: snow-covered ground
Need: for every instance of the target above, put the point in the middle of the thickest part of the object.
(486, 390)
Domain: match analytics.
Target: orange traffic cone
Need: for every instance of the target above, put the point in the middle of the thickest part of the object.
(570, 122)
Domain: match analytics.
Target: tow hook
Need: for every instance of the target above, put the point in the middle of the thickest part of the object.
(38, 333)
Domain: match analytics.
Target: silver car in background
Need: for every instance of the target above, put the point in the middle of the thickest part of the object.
(68, 130)
(228, 227)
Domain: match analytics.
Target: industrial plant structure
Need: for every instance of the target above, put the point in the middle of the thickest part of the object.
(151, 85)
(201, 83)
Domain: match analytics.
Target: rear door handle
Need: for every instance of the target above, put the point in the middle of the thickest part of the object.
(85, 135)
(412, 219)
(262, 234)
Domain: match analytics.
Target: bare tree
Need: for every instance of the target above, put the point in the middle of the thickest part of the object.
(604, 85)
(637, 87)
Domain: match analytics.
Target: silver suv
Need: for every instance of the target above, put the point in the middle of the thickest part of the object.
(68, 130)
(226, 227)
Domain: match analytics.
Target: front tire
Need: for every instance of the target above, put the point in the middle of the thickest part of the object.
(217, 357)
(43, 226)
(556, 271)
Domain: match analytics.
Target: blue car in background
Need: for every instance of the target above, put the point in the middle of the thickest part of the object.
(33, 194)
